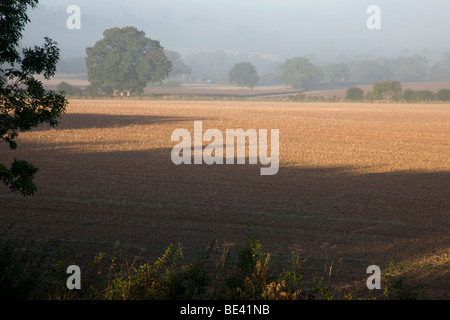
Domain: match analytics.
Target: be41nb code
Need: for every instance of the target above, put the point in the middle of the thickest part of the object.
(236, 309)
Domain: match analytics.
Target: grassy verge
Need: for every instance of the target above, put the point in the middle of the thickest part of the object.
(30, 270)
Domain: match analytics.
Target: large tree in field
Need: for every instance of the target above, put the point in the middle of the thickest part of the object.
(125, 59)
(24, 103)
(243, 74)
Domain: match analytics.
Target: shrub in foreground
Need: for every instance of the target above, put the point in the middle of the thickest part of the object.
(224, 271)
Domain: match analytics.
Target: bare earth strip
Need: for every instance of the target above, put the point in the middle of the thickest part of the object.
(369, 183)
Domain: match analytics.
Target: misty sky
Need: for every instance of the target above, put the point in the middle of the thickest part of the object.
(274, 28)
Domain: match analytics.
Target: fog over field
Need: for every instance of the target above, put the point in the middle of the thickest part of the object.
(323, 30)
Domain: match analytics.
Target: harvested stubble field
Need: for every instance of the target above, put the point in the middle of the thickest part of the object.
(369, 183)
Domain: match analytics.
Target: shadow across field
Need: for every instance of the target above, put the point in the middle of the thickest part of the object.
(74, 121)
(142, 199)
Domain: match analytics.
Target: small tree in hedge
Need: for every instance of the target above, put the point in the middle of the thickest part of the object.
(354, 94)
(443, 95)
(67, 89)
(387, 89)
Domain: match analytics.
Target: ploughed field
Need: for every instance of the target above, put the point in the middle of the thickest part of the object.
(369, 183)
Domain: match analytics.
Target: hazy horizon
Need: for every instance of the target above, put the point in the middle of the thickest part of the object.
(275, 29)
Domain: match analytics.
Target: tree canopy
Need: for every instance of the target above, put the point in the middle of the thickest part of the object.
(409, 69)
(24, 103)
(125, 59)
(67, 89)
(354, 94)
(335, 73)
(387, 89)
(441, 70)
(243, 74)
(368, 71)
(299, 73)
(179, 68)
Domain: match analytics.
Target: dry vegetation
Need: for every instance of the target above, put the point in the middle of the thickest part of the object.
(365, 182)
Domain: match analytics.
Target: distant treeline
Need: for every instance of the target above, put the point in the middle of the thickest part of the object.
(387, 90)
(410, 95)
(391, 90)
(214, 67)
(299, 72)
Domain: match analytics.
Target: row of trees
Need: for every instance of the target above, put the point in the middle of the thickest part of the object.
(215, 65)
(125, 59)
(392, 90)
(299, 72)
(382, 90)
